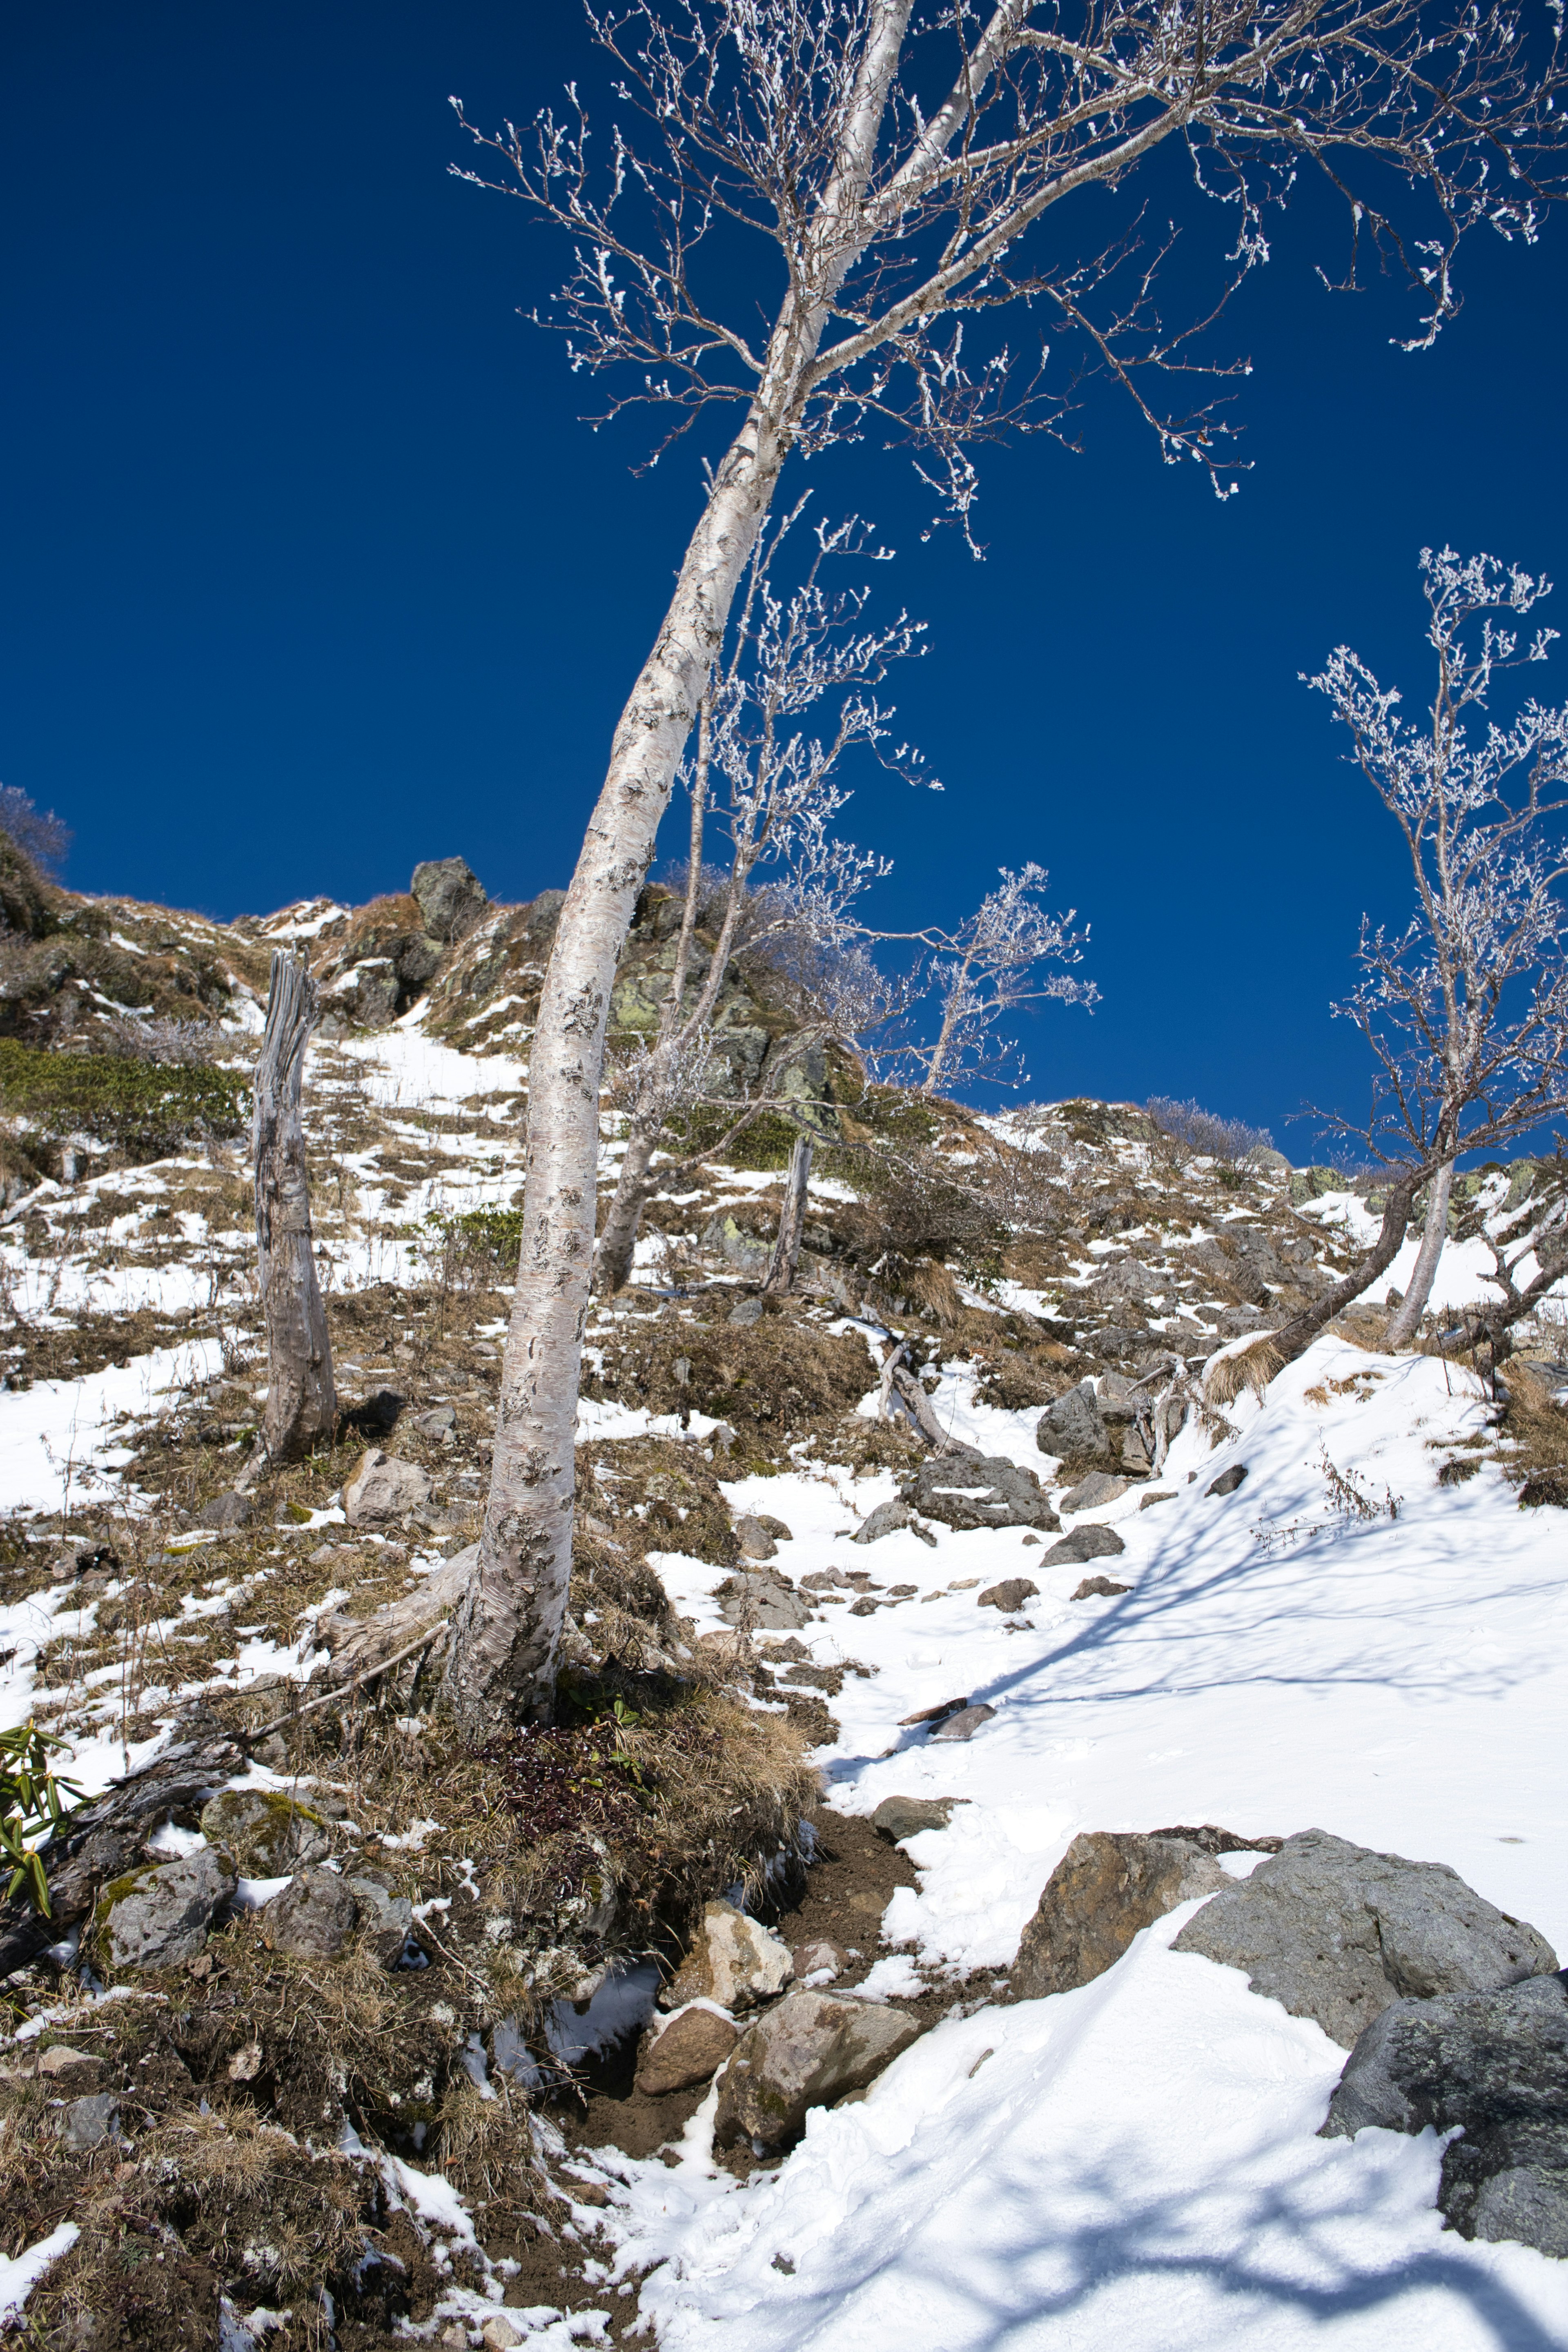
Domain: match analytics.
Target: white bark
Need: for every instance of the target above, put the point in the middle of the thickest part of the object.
(301, 1404)
(506, 1641)
(1407, 1319)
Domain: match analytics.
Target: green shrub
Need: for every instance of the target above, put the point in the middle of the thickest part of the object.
(146, 1108)
(766, 1144)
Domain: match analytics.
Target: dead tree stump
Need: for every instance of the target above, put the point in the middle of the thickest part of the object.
(301, 1402)
(791, 1219)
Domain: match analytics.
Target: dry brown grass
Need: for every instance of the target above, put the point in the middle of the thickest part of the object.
(1250, 1366)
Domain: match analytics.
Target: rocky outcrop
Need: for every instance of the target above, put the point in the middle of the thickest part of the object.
(1336, 1932)
(1496, 2063)
(1074, 1428)
(970, 1491)
(449, 896)
(1107, 1886)
(810, 2049)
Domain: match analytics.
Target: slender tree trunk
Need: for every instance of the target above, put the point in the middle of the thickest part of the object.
(507, 1636)
(1406, 1320)
(791, 1219)
(301, 1404)
(617, 1243)
(505, 1643)
(1293, 1338)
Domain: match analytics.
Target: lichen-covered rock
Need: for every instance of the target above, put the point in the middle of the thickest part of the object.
(450, 895)
(312, 1918)
(733, 1960)
(756, 1600)
(811, 2049)
(1107, 1886)
(159, 1918)
(385, 1488)
(1336, 1932)
(1497, 2064)
(264, 1833)
(387, 1919)
(686, 2049)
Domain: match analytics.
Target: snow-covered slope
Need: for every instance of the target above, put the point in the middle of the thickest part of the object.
(1136, 2161)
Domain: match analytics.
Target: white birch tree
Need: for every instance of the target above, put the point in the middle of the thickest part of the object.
(901, 183)
(1465, 1010)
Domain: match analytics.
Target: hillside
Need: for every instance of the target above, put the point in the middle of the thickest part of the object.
(393, 2075)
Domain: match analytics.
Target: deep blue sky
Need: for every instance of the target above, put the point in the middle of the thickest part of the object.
(308, 571)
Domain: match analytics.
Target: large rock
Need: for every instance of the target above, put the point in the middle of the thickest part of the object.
(1011, 1594)
(733, 1960)
(688, 2050)
(904, 1817)
(263, 1832)
(964, 1491)
(757, 1601)
(1091, 1493)
(384, 1488)
(813, 2048)
(1084, 1544)
(1074, 1428)
(159, 1918)
(313, 1917)
(1336, 1932)
(1107, 1886)
(387, 1919)
(450, 895)
(1497, 2064)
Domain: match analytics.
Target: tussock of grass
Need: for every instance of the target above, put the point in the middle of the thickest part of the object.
(146, 1109)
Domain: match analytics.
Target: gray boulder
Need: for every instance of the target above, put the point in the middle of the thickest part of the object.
(903, 1817)
(809, 2050)
(885, 1520)
(263, 1832)
(1336, 1932)
(1228, 1480)
(226, 1512)
(1091, 1493)
(1497, 2064)
(1107, 1886)
(1093, 1542)
(450, 895)
(964, 1491)
(1074, 1428)
(313, 1917)
(757, 1601)
(755, 1539)
(1128, 1278)
(385, 1488)
(159, 1918)
(1098, 1588)
(88, 2123)
(965, 1723)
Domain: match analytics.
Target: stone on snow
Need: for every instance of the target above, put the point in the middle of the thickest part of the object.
(1336, 1932)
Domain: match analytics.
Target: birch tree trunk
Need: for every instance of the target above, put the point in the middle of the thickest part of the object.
(506, 1640)
(1406, 1320)
(791, 1219)
(301, 1402)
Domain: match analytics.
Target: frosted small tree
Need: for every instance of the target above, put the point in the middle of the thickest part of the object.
(813, 220)
(988, 968)
(1466, 1009)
